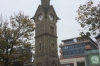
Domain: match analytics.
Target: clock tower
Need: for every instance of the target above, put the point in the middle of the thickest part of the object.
(45, 20)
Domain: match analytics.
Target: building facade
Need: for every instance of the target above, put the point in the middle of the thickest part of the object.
(72, 51)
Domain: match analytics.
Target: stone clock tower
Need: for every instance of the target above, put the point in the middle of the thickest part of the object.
(46, 35)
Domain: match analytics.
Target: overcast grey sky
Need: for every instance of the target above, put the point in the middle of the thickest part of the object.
(67, 27)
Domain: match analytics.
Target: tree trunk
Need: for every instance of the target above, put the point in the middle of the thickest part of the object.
(6, 62)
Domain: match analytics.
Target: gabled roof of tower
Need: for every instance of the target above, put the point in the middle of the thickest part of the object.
(45, 10)
(51, 7)
(39, 7)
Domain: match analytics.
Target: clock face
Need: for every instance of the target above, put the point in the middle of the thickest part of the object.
(40, 17)
(51, 17)
(95, 59)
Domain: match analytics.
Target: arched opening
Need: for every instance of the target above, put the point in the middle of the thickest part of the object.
(51, 30)
(39, 64)
(40, 46)
(52, 45)
(54, 64)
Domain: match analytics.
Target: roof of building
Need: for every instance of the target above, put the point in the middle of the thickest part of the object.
(69, 39)
(88, 40)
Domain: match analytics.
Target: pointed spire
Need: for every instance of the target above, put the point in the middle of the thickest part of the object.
(45, 2)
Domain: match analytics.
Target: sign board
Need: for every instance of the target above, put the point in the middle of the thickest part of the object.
(94, 60)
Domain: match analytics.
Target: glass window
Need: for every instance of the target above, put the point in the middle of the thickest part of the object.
(76, 45)
(65, 53)
(71, 52)
(76, 52)
(70, 46)
(80, 51)
(69, 41)
(66, 47)
(81, 45)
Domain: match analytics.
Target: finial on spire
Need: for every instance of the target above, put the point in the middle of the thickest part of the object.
(45, 2)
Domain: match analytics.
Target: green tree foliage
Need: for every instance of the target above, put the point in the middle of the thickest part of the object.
(14, 34)
(89, 18)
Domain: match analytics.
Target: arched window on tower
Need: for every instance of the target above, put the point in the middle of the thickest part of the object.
(40, 46)
(54, 64)
(51, 30)
(39, 64)
(52, 45)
